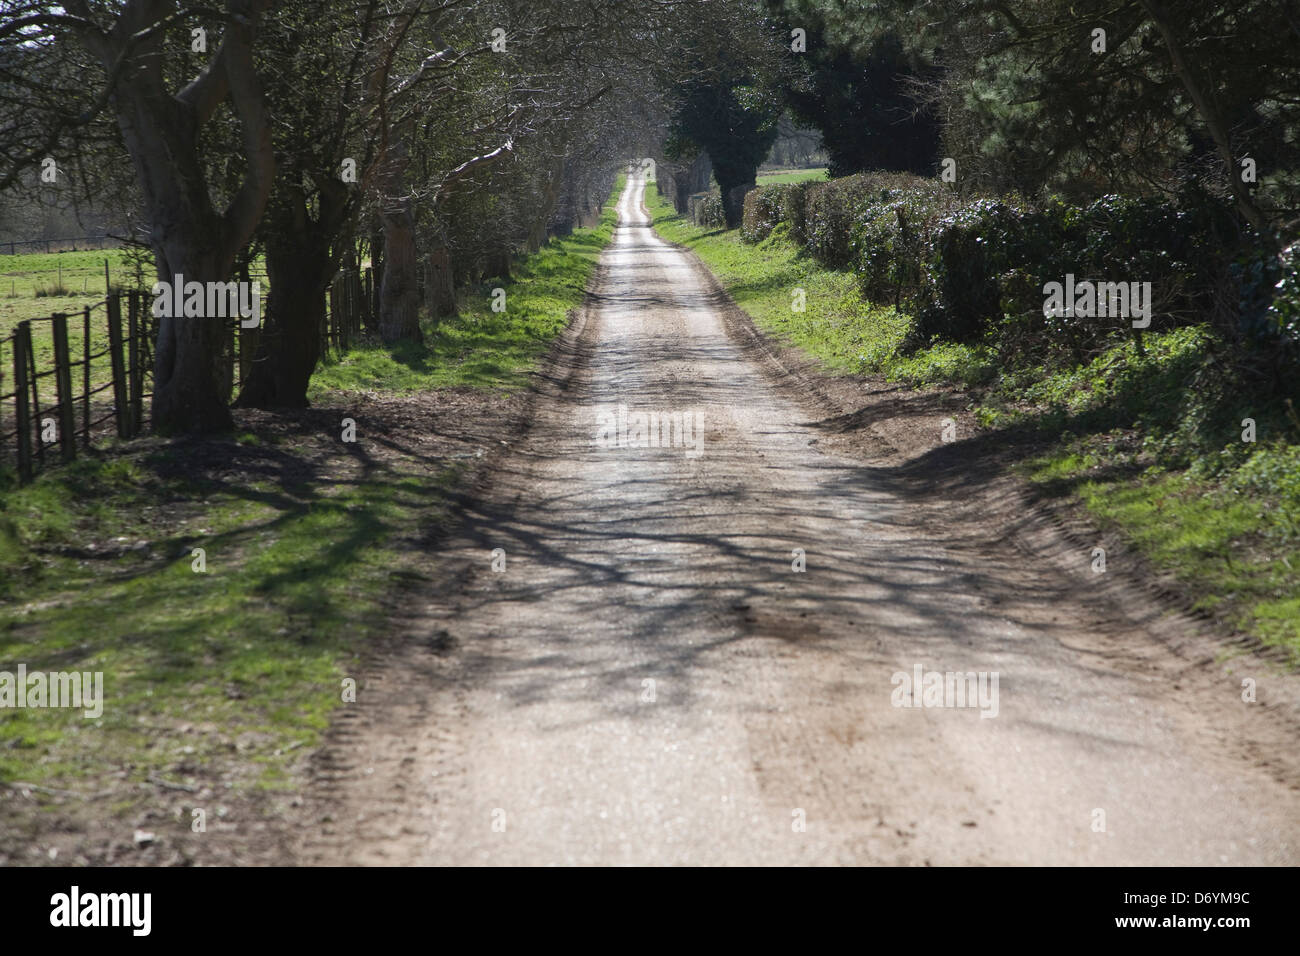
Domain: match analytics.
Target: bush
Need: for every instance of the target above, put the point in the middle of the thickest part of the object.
(794, 209)
(972, 271)
(1283, 315)
(830, 210)
(1272, 470)
(1180, 250)
(707, 210)
(991, 259)
(972, 247)
(891, 241)
(764, 208)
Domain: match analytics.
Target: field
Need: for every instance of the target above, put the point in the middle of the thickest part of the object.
(791, 176)
(41, 284)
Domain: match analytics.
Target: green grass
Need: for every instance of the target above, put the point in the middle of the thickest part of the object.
(838, 327)
(30, 289)
(247, 657)
(792, 176)
(479, 347)
(1150, 444)
(251, 651)
(1213, 541)
(28, 283)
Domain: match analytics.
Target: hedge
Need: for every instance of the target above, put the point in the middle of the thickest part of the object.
(706, 209)
(974, 269)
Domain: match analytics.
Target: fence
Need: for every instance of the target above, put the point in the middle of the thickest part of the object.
(106, 345)
(110, 354)
(351, 307)
(67, 244)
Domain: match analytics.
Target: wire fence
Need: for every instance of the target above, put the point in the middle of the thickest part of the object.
(74, 381)
(13, 247)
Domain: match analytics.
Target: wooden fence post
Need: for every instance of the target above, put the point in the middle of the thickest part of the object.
(228, 382)
(345, 320)
(359, 293)
(442, 285)
(332, 316)
(36, 395)
(85, 374)
(63, 386)
(369, 278)
(358, 303)
(121, 406)
(247, 351)
(326, 298)
(22, 346)
(133, 362)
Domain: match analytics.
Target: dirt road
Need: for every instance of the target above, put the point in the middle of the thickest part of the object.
(650, 681)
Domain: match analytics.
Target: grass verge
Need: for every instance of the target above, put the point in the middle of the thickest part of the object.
(242, 653)
(238, 660)
(480, 347)
(1150, 444)
(39, 284)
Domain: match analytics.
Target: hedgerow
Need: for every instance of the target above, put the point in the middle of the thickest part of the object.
(974, 269)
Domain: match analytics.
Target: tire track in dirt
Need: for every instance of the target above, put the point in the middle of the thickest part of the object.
(512, 722)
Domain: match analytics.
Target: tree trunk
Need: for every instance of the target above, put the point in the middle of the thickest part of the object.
(376, 276)
(498, 264)
(694, 179)
(187, 395)
(733, 201)
(537, 232)
(300, 266)
(289, 345)
(189, 237)
(1203, 99)
(440, 290)
(399, 300)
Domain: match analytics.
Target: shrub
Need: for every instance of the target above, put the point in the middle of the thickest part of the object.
(1283, 315)
(830, 210)
(56, 289)
(891, 241)
(971, 248)
(1180, 251)
(973, 271)
(991, 260)
(794, 209)
(763, 211)
(707, 210)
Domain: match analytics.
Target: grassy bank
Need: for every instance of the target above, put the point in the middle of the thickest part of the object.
(304, 541)
(480, 347)
(839, 327)
(1149, 441)
(100, 576)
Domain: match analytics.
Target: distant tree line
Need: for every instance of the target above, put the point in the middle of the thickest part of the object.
(1075, 97)
(438, 137)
